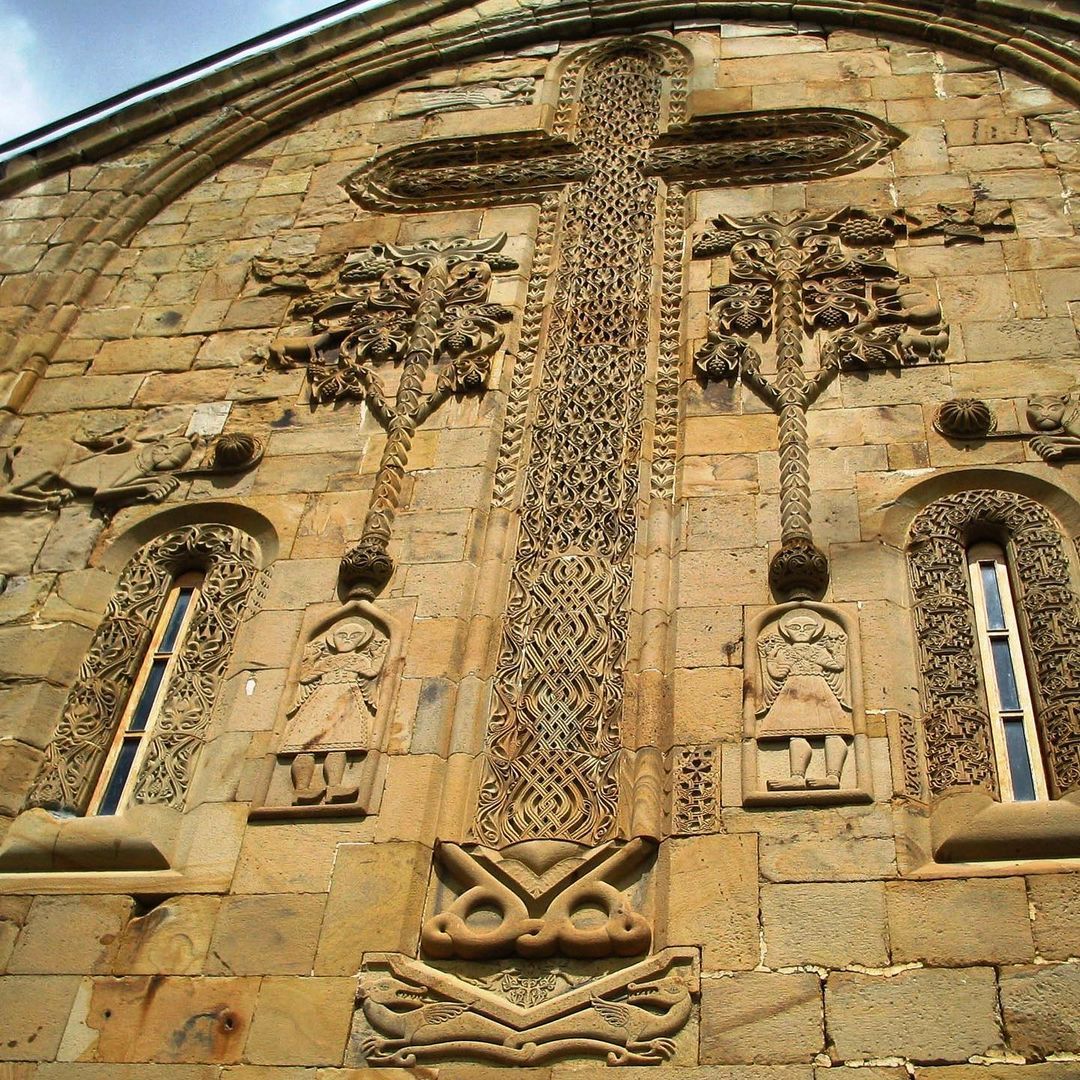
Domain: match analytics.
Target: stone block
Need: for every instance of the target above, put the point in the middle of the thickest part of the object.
(172, 939)
(163, 1019)
(926, 1014)
(830, 924)
(35, 1010)
(708, 636)
(19, 764)
(1020, 339)
(1039, 1008)
(13, 911)
(277, 858)
(729, 576)
(842, 859)
(758, 1017)
(729, 434)
(708, 705)
(71, 935)
(71, 1070)
(145, 354)
(1045, 1070)
(712, 899)
(976, 921)
(264, 935)
(301, 1021)
(375, 905)
(1055, 904)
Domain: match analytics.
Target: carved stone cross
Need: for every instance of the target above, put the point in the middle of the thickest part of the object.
(623, 156)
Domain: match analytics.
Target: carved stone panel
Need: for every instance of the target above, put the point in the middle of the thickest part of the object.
(480, 95)
(411, 1013)
(331, 732)
(805, 731)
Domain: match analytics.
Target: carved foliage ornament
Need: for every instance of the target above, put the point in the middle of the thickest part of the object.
(229, 559)
(423, 306)
(957, 730)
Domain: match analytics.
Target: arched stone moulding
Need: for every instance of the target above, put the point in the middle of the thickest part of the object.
(365, 765)
(266, 95)
(154, 832)
(946, 758)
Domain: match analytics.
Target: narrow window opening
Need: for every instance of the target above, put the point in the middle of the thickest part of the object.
(144, 702)
(1021, 775)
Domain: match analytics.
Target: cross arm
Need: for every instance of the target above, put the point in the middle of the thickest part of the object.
(770, 147)
(454, 173)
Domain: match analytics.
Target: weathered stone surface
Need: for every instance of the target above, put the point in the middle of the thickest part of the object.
(761, 1017)
(1038, 1006)
(1055, 902)
(70, 934)
(35, 1010)
(172, 939)
(301, 1021)
(375, 903)
(832, 924)
(161, 1018)
(932, 1014)
(266, 935)
(712, 898)
(959, 922)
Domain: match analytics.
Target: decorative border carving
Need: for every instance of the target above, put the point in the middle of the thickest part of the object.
(230, 561)
(695, 781)
(957, 729)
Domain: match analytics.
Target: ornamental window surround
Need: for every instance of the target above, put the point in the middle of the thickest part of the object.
(998, 638)
(137, 716)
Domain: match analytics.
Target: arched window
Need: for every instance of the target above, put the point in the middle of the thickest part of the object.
(137, 715)
(998, 634)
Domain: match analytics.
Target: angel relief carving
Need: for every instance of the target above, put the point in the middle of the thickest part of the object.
(805, 713)
(331, 734)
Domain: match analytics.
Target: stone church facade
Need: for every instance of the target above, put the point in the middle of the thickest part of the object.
(544, 536)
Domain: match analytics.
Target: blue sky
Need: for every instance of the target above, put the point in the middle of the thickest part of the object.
(62, 55)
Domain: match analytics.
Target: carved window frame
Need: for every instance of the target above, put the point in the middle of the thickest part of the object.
(229, 559)
(949, 757)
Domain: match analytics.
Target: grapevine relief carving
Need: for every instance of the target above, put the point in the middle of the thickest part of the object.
(957, 730)
(74, 757)
(799, 274)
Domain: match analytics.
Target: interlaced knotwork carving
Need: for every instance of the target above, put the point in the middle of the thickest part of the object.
(694, 791)
(958, 747)
(229, 560)
(553, 742)
(798, 274)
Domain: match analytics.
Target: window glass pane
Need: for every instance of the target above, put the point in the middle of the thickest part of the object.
(1019, 762)
(149, 694)
(995, 616)
(110, 801)
(183, 599)
(1006, 680)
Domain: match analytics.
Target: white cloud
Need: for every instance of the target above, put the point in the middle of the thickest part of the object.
(23, 103)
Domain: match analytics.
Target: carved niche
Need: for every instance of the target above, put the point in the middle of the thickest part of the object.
(804, 725)
(954, 744)
(331, 734)
(229, 559)
(116, 470)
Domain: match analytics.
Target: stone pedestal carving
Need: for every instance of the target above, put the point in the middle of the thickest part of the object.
(331, 734)
(804, 727)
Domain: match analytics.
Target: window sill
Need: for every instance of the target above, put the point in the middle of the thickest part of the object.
(146, 849)
(970, 826)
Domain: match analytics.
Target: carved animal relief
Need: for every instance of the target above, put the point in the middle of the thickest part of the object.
(116, 470)
(412, 1013)
(804, 716)
(1054, 420)
(482, 95)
